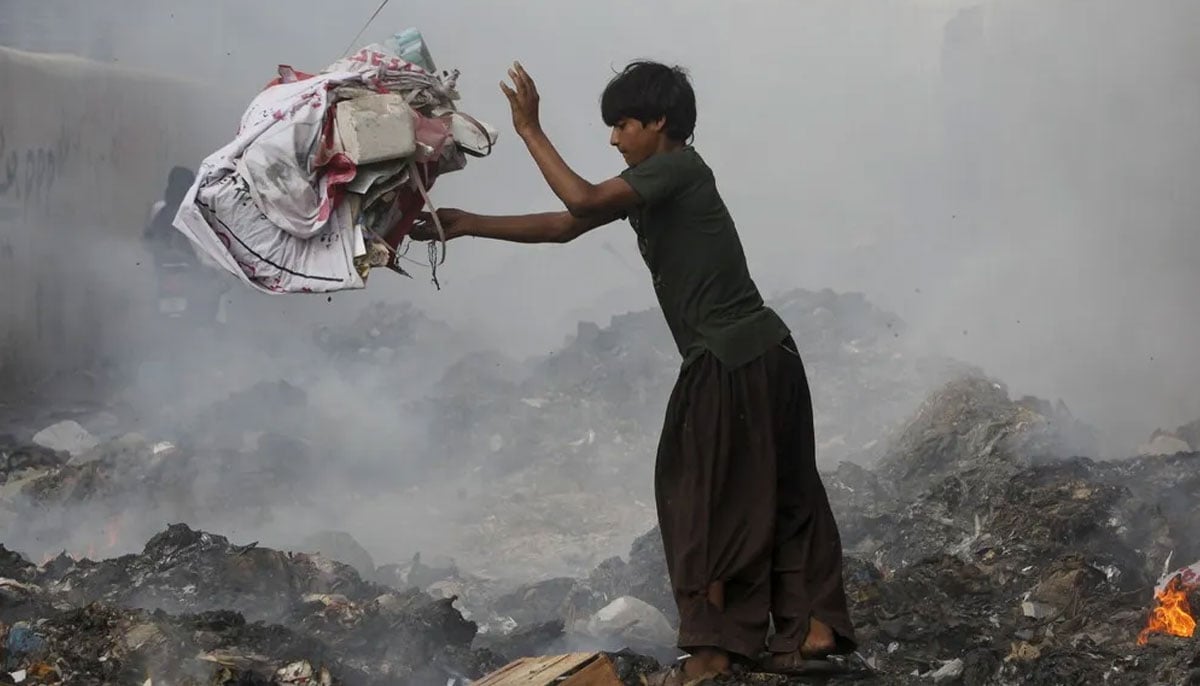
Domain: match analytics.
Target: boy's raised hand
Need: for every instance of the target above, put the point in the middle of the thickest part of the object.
(523, 99)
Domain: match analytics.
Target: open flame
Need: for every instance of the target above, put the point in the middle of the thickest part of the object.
(102, 544)
(1173, 615)
(112, 531)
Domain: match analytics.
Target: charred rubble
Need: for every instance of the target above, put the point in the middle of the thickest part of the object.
(194, 608)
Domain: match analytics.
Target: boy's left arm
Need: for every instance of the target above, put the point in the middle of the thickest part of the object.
(581, 197)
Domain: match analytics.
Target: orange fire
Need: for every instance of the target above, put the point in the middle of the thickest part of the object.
(111, 535)
(1172, 616)
(112, 531)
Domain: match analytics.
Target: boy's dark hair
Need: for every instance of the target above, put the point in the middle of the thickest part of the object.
(649, 91)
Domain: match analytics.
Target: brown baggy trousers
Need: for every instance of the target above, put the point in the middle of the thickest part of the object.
(746, 524)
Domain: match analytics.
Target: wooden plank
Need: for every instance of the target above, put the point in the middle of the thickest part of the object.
(598, 672)
(535, 671)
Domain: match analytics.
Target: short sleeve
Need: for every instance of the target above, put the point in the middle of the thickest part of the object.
(661, 176)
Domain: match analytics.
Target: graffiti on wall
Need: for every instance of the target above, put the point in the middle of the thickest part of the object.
(28, 174)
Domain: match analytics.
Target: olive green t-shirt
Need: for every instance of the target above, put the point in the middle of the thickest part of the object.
(690, 244)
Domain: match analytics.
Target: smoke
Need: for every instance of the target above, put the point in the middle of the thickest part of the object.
(1012, 178)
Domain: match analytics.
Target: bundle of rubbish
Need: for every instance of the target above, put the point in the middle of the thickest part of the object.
(329, 171)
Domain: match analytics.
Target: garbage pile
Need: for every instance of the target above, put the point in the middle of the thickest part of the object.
(981, 549)
(1185, 439)
(988, 547)
(194, 608)
(98, 494)
(329, 171)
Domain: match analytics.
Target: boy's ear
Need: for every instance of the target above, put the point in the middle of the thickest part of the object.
(658, 125)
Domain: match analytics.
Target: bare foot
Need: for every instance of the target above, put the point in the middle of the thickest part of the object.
(820, 640)
(810, 656)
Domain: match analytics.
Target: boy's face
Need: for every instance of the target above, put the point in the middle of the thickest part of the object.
(637, 141)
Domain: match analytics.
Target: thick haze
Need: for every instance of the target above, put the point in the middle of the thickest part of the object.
(1018, 179)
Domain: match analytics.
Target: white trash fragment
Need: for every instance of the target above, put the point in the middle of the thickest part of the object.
(632, 620)
(1036, 610)
(1188, 576)
(1164, 444)
(66, 436)
(471, 134)
(951, 670)
(303, 673)
(446, 588)
(1111, 572)
(587, 439)
(376, 128)
(162, 447)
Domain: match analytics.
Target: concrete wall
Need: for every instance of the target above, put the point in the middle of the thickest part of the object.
(84, 151)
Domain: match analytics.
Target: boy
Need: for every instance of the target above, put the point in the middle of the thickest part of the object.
(746, 525)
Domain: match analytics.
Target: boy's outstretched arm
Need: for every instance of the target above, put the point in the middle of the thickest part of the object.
(582, 198)
(547, 227)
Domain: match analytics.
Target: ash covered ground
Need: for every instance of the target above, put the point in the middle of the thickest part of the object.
(420, 509)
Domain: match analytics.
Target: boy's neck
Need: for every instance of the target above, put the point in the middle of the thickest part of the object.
(669, 145)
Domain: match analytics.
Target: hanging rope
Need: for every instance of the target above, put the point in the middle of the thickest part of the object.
(434, 258)
(361, 31)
